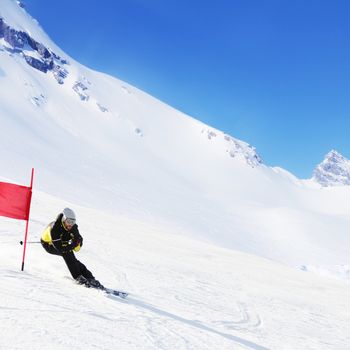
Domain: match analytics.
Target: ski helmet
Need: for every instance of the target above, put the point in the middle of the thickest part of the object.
(68, 216)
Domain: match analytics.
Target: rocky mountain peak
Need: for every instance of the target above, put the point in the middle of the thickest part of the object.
(333, 171)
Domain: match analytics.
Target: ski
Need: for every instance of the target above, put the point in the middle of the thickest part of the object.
(115, 292)
(108, 291)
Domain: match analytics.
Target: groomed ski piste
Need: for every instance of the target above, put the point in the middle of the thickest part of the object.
(184, 294)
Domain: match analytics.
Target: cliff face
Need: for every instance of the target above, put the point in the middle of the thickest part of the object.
(34, 53)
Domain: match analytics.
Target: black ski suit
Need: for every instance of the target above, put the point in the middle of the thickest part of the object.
(58, 240)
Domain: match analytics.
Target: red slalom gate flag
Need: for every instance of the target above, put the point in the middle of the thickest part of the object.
(15, 203)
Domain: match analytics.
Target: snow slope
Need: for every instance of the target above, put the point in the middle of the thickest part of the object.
(204, 235)
(184, 294)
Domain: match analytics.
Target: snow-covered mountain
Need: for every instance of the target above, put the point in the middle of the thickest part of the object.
(99, 142)
(169, 208)
(333, 171)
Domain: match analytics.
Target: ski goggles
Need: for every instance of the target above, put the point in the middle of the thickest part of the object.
(70, 221)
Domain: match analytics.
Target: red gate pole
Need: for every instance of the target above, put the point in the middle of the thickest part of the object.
(27, 222)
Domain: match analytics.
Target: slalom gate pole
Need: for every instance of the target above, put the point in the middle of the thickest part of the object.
(27, 222)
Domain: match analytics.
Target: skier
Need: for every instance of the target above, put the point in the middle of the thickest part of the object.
(62, 237)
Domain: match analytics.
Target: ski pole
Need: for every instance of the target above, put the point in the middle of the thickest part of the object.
(29, 242)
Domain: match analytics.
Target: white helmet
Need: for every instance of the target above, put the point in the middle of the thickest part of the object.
(69, 216)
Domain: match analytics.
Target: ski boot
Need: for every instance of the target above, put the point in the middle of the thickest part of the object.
(82, 280)
(94, 283)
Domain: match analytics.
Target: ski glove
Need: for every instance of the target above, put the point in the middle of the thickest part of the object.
(79, 244)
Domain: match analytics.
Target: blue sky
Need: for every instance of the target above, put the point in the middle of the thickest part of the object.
(274, 73)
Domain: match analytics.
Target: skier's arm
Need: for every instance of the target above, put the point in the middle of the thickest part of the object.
(75, 242)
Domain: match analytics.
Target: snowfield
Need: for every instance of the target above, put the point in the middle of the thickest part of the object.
(217, 249)
(185, 294)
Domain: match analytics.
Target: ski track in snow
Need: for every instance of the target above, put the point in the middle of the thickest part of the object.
(42, 304)
(161, 325)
